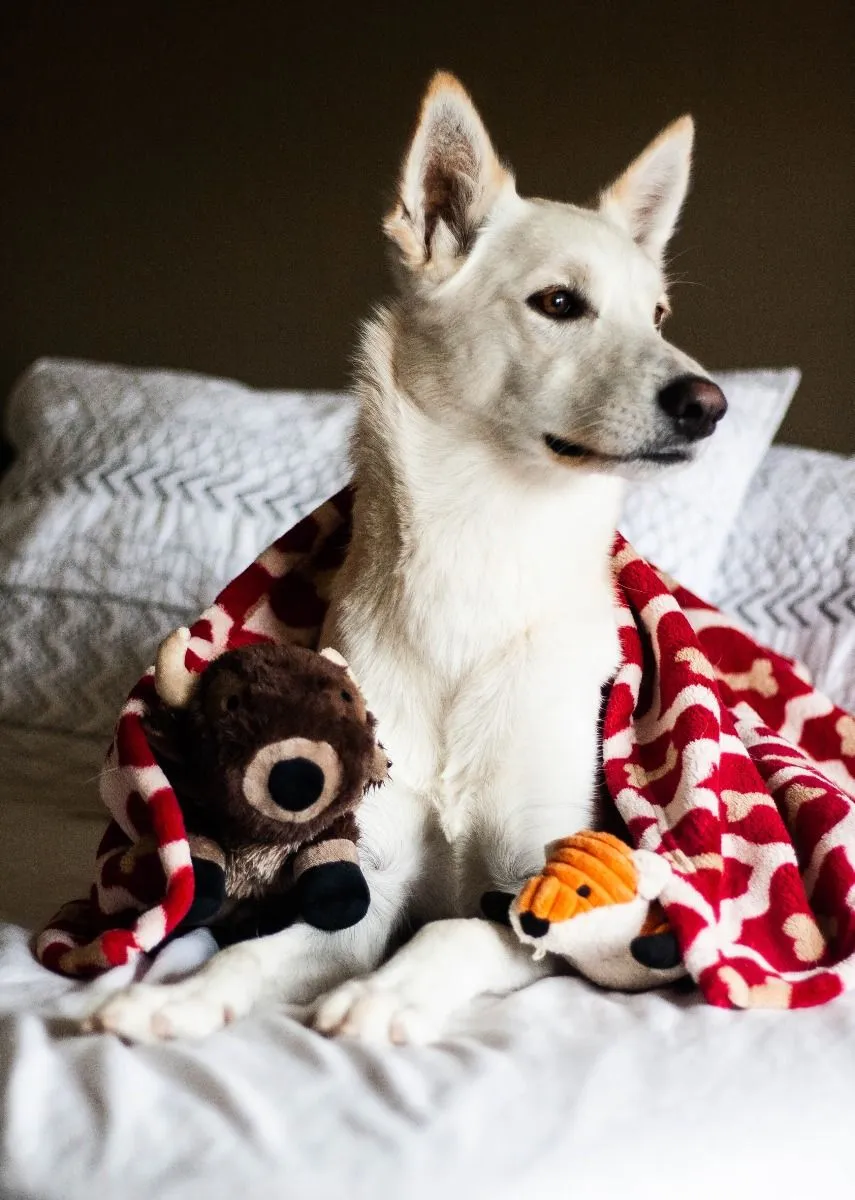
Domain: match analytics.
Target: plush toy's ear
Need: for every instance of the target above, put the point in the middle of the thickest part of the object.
(380, 764)
(654, 871)
(166, 733)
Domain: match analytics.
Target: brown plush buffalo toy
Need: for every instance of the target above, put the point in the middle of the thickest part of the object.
(269, 751)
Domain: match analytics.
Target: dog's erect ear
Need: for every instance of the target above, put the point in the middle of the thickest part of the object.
(450, 180)
(647, 198)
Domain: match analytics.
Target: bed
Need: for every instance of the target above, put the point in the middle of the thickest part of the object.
(561, 1084)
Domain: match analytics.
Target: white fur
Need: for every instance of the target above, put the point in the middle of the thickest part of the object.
(475, 606)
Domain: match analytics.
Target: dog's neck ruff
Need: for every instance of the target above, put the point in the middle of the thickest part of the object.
(485, 545)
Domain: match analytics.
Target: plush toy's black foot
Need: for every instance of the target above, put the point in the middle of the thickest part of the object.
(256, 918)
(659, 951)
(496, 907)
(333, 895)
(209, 892)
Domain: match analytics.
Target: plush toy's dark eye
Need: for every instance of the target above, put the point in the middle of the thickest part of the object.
(223, 695)
(561, 304)
(347, 696)
(584, 891)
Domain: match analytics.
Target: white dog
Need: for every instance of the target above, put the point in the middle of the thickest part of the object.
(517, 376)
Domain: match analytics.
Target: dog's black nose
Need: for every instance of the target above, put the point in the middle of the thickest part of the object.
(695, 406)
(295, 783)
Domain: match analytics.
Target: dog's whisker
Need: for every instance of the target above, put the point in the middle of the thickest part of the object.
(101, 773)
(673, 256)
(588, 427)
(693, 283)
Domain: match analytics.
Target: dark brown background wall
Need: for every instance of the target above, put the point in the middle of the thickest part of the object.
(199, 184)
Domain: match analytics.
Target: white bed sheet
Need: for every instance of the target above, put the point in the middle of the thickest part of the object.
(561, 1085)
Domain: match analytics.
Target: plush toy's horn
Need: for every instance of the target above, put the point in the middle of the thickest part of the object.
(172, 681)
(335, 657)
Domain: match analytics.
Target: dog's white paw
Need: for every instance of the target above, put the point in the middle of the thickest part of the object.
(367, 1010)
(152, 1013)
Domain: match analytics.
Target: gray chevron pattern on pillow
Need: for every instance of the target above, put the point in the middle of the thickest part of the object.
(788, 570)
(135, 496)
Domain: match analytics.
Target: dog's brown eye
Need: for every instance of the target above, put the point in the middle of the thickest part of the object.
(561, 304)
(233, 702)
(347, 696)
(659, 315)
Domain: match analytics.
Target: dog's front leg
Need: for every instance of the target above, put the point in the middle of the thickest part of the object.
(294, 966)
(446, 965)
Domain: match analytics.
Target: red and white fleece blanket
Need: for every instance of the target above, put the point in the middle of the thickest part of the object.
(717, 753)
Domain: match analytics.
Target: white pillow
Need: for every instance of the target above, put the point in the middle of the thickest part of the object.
(681, 521)
(788, 570)
(137, 494)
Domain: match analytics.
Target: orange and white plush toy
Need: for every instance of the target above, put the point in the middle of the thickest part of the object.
(596, 905)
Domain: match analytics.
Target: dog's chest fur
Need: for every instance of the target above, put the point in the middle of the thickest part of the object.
(477, 613)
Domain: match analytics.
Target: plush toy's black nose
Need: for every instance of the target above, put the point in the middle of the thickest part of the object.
(295, 783)
(534, 926)
(695, 406)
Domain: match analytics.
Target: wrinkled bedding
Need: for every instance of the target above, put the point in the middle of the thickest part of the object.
(557, 1085)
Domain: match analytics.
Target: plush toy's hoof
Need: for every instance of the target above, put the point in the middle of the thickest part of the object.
(659, 951)
(333, 895)
(496, 907)
(256, 918)
(209, 892)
